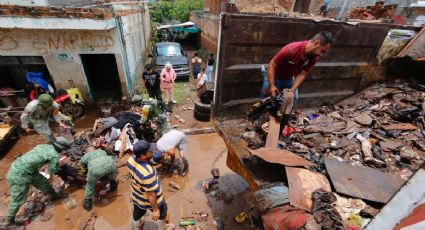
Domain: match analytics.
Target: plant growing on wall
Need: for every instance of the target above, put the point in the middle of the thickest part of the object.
(168, 10)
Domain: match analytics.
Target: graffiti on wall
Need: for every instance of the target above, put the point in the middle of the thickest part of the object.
(7, 43)
(54, 42)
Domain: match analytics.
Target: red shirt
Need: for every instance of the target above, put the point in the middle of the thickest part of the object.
(290, 61)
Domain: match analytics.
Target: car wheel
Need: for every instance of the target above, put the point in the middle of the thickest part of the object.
(202, 108)
(201, 116)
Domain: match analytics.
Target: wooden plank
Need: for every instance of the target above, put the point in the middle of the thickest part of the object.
(273, 134)
(280, 156)
(362, 182)
(400, 126)
(4, 132)
(302, 183)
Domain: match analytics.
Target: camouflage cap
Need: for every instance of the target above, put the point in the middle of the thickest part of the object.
(45, 99)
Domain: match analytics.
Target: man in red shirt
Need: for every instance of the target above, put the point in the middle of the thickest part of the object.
(288, 69)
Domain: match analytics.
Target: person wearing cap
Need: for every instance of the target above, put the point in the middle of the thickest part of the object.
(173, 143)
(146, 191)
(38, 112)
(99, 167)
(24, 172)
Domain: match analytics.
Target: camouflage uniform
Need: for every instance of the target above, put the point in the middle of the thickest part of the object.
(163, 125)
(39, 116)
(24, 172)
(99, 166)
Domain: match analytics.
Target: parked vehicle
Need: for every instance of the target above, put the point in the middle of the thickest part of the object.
(71, 100)
(172, 52)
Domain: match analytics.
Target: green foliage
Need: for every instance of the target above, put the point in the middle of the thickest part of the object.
(174, 10)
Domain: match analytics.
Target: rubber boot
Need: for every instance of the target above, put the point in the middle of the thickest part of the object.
(10, 221)
(137, 225)
(185, 167)
(88, 204)
(113, 185)
(57, 195)
(161, 224)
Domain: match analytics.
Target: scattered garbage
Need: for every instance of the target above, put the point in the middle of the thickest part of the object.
(215, 173)
(174, 185)
(72, 203)
(187, 223)
(90, 223)
(242, 217)
(367, 148)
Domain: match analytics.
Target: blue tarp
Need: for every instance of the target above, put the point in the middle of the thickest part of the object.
(37, 78)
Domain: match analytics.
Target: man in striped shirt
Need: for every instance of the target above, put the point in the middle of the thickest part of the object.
(146, 192)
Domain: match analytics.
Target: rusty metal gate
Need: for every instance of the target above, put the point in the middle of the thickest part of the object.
(248, 41)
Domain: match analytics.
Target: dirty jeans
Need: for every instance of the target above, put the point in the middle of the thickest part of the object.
(139, 213)
(18, 188)
(168, 94)
(155, 93)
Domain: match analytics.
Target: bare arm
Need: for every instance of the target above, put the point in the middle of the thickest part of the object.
(298, 80)
(153, 201)
(270, 77)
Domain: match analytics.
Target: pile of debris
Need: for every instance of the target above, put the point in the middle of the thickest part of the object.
(146, 119)
(378, 11)
(367, 148)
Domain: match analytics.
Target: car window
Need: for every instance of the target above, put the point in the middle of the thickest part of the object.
(168, 51)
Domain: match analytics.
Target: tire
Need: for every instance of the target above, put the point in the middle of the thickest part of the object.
(201, 116)
(74, 110)
(202, 108)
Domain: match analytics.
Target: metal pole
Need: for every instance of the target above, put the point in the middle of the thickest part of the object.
(343, 8)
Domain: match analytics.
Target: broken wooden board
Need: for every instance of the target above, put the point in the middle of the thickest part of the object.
(390, 145)
(273, 134)
(280, 156)
(4, 131)
(401, 126)
(362, 182)
(302, 183)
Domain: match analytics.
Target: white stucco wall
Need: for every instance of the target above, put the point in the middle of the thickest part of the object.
(54, 45)
(136, 34)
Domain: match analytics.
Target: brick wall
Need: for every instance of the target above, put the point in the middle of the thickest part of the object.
(217, 6)
(209, 25)
(55, 12)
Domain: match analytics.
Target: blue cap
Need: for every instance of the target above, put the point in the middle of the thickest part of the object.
(142, 147)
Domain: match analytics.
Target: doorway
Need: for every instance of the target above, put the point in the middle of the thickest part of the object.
(102, 75)
(13, 71)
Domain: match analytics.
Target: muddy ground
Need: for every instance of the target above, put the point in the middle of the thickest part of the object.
(205, 152)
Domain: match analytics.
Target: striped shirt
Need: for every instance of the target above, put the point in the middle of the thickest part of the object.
(144, 178)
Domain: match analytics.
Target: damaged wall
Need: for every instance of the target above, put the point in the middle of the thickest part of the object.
(60, 51)
(136, 34)
(120, 29)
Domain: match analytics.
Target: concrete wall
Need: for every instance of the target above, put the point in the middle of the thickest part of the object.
(60, 50)
(136, 32)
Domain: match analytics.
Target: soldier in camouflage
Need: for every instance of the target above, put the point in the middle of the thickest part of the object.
(24, 172)
(38, 112)
(98, 166)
